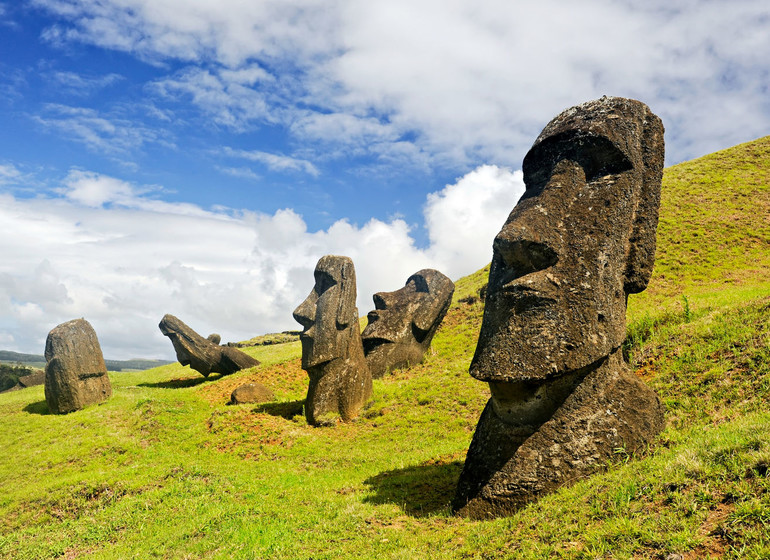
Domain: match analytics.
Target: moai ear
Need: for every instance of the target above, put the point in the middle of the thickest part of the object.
(439, 289)
(641, 251)
(346, 307)
(429, 311)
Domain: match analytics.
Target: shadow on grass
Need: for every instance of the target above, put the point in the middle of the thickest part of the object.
(40, 407)
(181, 383)
(286, 410)
(420, 490)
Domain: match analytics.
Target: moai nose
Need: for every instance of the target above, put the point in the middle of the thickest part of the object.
(524, 256)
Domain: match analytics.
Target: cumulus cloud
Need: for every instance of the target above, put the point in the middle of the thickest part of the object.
(105, 249)
(463, 218)
(465, 81)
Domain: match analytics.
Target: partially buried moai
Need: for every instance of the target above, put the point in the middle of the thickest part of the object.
(582, 238)
(403, 322)
(332, 354)
(75, 372)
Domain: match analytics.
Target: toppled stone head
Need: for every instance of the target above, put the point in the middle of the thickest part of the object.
(75, 372)
(403, 322)
(580, 240)
(201, 354)
(332, 352)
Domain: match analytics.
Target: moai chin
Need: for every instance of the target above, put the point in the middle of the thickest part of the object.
(580, 240)
(403, 322)
(332, 352)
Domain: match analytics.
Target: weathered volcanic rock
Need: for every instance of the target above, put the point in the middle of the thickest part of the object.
(251, 393)
(75, 372)
(403, 322)
(580, 240)
(332, 353)
(35, 378)
(201, 354)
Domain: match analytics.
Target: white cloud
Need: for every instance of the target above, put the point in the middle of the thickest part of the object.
(274, 162)
(81, 85)
(463, 218)
(242, 172)
(9, 173)
(100, 133)
(464, 80)
(230, 31)
(224, 96)
(109, 252)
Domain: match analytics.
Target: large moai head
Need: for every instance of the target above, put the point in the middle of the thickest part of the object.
(580, 240)
(403, 322)
(329, 312)
(332, 353)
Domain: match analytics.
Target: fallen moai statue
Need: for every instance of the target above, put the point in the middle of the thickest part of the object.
(580, 240)
(332, 353)
(403, 322)
(203, 355)
(75, 372)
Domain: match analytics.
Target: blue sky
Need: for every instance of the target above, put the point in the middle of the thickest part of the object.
(198, 157)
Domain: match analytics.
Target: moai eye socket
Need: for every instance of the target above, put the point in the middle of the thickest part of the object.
(323, 281)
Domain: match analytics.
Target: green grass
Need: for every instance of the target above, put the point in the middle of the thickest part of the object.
(165, 469)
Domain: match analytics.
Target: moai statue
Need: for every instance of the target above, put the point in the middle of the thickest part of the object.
(403, 322)
(332, 353)
(580, 240)
(203, 355)
(75, 372)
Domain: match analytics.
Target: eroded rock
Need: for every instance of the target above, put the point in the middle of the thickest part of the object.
(332, 353)
(580, 240)
(403, 322)
(251, 393)
(75, 372)
(203, 355)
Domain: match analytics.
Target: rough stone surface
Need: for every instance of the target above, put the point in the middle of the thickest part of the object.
(75, 372)
(403, 322)
(201, 354)
(36, 378)
(214, 338)
(332, 352)
(580, 240)
(251, 393)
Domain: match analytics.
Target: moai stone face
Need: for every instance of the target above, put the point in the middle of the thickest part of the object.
(203, 355)
(332, 352)
(403, 322)
(580, 240)
(75, 372)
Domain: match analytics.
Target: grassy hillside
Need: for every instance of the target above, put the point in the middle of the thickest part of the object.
(165, 469)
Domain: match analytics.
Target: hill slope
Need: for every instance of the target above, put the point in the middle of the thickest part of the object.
(164, 469)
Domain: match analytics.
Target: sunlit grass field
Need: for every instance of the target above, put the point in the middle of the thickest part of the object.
(165, 469)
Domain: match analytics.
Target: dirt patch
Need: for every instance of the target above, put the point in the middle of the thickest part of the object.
(281, 378)
(714, 544)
